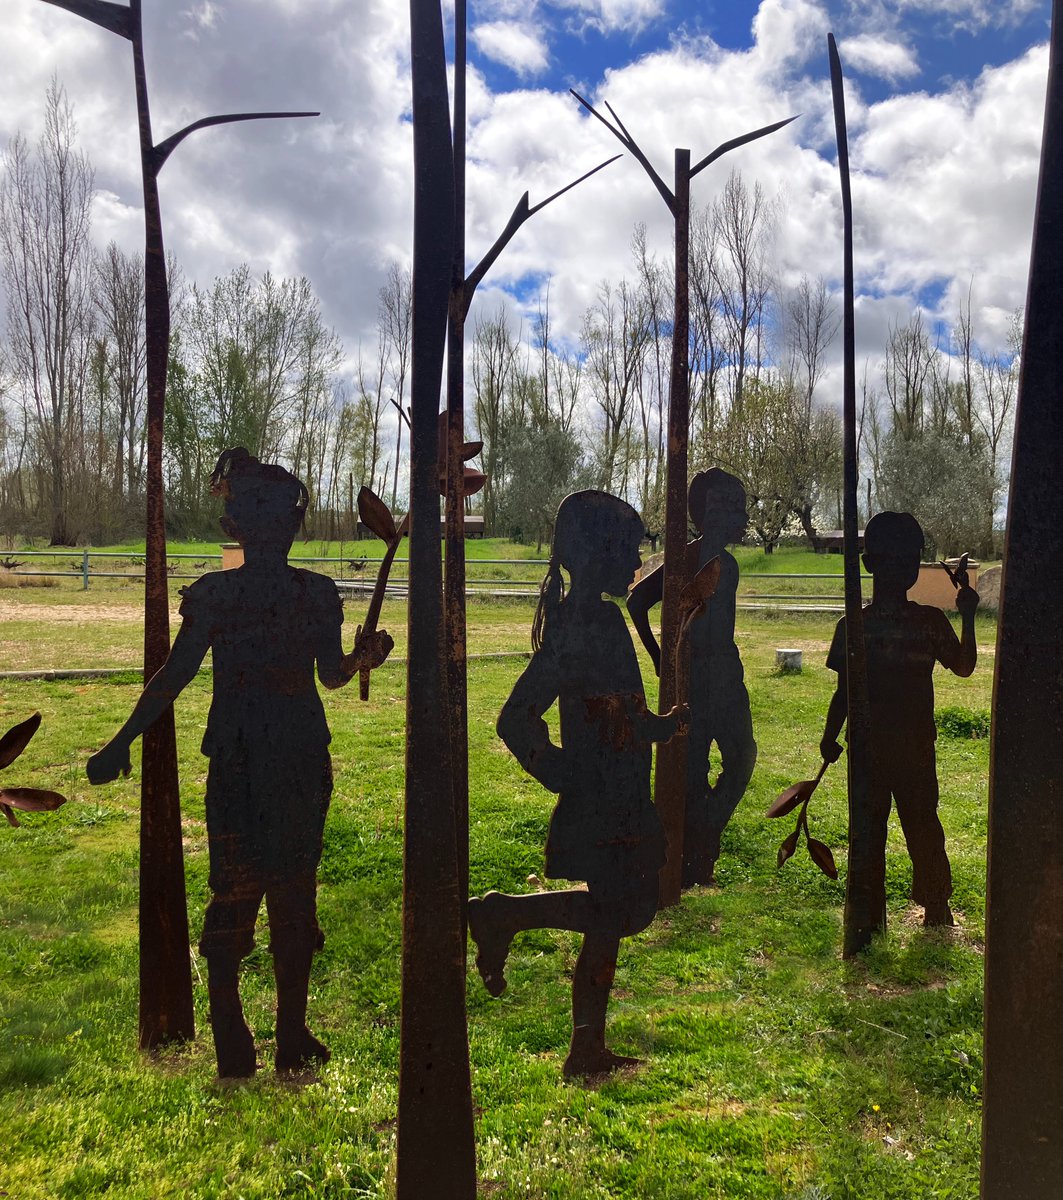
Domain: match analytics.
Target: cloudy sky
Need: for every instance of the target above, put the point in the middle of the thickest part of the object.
(945, 102)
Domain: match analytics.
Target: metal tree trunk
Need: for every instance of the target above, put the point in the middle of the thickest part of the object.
(436, 1151)
(1022, 1133)
(670, 780)
(166, 1011)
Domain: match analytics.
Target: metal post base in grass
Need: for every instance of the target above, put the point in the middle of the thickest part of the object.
(1022, 1133)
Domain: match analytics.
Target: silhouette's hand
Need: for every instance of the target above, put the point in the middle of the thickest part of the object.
(371, 649)
(679, 715)
(966, 600)
(830, 750)
(110, 762)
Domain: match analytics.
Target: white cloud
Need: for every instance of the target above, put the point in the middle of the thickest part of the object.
(513, 44)
(879, 56)
(611, 16)
(943, 183)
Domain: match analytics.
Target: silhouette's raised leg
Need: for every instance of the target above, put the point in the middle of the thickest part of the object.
(591, 984)
(234, 1046)
(497, 917)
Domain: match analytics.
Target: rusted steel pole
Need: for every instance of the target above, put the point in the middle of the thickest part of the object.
(436, 1149)
(670, 779)
(166, 1011)
(1022, 1130)
(865, 884)
(454, 580)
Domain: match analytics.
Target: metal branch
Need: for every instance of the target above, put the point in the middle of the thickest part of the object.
(164, 149)
(520, 214)
(734, 143)
(401, 411)
(629, 143)
(115, 17)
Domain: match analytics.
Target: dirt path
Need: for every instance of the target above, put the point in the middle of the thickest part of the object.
(79, 614)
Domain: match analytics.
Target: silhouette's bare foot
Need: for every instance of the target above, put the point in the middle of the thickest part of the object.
(582, 1063)
(300, 1051)
(235, 1050)
(492, 941)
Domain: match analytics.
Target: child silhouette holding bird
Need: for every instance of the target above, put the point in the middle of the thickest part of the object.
(270, 777)
(604, 830)
(902, 642)
(719, 702)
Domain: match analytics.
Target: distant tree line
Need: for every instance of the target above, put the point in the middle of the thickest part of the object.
(252, 363)
(935, 412)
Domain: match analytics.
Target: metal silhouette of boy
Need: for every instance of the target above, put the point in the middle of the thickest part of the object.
(605, 829)
(902, 642)
(719, 702)
(270, 776)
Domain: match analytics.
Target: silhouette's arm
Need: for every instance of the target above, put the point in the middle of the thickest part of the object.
(522, 728)
(960, 655)
(162, 689)
(837, 712)
(642, 597)
(334, 668)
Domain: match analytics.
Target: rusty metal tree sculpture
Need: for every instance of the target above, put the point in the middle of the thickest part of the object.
(865, 893)
(671, 771)
(463, 289)
(1022, 1146)
(165, 969)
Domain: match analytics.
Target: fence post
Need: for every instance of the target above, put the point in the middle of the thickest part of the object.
(85, 571)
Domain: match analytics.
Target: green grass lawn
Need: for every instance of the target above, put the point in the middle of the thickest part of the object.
(773, 1069)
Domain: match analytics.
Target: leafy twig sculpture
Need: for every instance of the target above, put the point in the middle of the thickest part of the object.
(27, 799)
(797, 796)
(377, 518)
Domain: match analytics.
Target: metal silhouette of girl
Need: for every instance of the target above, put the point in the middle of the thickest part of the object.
(605, 829)
(270, 779)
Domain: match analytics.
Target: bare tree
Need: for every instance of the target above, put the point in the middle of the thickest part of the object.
(395, 320)
(907, 374)
(493, 365)
(46, 260)
(616, 336)
(119, 295)
(744, 223)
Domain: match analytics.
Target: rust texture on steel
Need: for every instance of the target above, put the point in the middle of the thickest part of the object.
(865, 893)
(25, 799)
(1022, 1142)
(902, 642)
(436, 1153)
(605, 830)
(165, 1012)
(708, 673)
(267, 626)
(671, 770)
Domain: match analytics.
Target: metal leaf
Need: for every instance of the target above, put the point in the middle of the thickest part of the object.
(17, 739)
(823, 858)
(788, 847)
(114, 17)
(376, 516)
(474, 481)
(701, 587)
(11, 818)
(793, 797)
(31, 799)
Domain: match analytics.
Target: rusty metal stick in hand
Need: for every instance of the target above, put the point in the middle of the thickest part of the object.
(376, 516)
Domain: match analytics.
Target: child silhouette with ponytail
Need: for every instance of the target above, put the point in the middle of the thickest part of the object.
(270, 776)
(604, 830)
